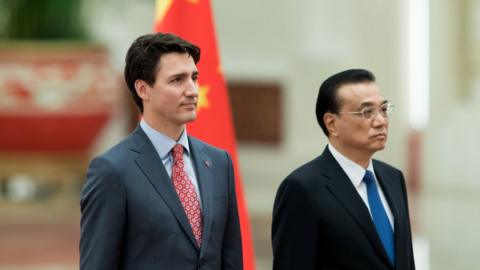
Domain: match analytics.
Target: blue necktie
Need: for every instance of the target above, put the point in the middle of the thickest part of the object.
(379, 216)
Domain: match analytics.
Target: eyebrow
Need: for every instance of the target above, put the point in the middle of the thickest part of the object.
(368, 104)
(182, 74)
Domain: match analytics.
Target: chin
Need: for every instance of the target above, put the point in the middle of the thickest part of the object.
(379, 147)
(190, 118)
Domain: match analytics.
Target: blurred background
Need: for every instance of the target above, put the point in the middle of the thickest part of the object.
(63, 100)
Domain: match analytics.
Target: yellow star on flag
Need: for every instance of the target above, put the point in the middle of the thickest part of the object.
(203, 101)
(164, 5)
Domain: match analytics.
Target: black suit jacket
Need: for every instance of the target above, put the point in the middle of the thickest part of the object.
(321, 222)
(132, 217)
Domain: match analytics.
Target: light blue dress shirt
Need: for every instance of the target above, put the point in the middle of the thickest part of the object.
(164, 145)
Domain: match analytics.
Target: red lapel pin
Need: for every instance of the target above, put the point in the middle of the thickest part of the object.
(207, 163)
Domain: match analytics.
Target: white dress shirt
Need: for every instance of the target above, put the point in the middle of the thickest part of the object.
(355, 173)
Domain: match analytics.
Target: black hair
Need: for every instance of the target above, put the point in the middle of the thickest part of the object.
(328, 101)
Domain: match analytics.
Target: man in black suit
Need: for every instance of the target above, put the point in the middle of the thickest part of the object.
(345, 210)
(161, 199)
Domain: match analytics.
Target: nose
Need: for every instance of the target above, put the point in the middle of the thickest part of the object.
(379, 119)
(191, 89)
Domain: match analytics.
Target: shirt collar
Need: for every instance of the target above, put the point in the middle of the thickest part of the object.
(354, 171)
(162, 143)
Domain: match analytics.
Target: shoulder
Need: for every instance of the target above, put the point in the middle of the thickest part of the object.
(115, 152)
(314, 174)
(120, 153)
(302, 186)
(207, 148)
(385, 167)
(306, 169)
(307, 175)
(318, 168)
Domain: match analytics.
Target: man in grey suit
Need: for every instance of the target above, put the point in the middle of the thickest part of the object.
(343, 209)
(161, 199)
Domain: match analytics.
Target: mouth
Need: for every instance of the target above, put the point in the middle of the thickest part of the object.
(380, 136)
(189, 105)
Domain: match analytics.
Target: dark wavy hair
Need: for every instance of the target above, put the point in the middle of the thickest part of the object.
(143, 56)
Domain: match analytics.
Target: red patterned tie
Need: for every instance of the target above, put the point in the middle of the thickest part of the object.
(187, 194)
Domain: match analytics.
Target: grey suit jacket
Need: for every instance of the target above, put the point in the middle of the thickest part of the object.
(320, 221)
(132, 217)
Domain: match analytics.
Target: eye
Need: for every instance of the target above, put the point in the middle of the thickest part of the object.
(368, 112)
(387, 109)
(176, 80)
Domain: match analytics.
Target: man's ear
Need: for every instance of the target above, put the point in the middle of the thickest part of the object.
(330, 121)
(142, 89)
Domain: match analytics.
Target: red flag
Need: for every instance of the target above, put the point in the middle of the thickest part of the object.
(192, 20)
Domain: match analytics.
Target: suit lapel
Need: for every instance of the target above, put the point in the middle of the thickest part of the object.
(390, 191)
(151, 165)
(203, 166)
(344, 191)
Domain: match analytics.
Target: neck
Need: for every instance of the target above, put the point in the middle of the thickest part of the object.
(171, 130)
(361, 158)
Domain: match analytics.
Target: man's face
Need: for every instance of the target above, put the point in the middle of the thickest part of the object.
(353, 131)
(173, 98)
